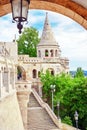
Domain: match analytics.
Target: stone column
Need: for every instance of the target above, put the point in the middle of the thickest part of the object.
(1, 83)
(23, 99)
(12, 77)
(8, 80)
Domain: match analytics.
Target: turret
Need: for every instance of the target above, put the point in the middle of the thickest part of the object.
(48, 47)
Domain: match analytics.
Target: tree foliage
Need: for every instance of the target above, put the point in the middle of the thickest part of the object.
(28, 41)
(72, 94)
(79, 72)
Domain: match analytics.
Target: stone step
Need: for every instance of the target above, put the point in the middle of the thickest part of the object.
(38, 119)
(33, 102)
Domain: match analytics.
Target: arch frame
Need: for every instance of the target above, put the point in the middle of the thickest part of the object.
(68, 8)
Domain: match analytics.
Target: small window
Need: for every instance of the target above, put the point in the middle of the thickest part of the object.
(34, 73)
(52, 72)
(46, 53)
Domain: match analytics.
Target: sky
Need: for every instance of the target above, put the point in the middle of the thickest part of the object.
(71, 37)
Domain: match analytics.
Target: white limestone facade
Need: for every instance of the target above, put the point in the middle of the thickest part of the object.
(9, 50)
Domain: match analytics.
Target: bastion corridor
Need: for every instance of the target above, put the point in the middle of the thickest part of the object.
(13, 102)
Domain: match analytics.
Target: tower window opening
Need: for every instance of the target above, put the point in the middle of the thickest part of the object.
(34, 73)
(46, 53)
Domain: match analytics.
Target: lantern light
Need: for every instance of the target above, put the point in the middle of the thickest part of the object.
(20, 12)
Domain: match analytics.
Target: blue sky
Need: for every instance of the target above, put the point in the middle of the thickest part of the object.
(71, 36)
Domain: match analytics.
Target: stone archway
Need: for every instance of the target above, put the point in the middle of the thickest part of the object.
(70, 8)
(21, 74)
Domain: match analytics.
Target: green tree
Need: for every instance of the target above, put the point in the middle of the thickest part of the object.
(67, 120)
(75, 99)
(72, 94)
(47, 79)
(28, 41)
(79, 72)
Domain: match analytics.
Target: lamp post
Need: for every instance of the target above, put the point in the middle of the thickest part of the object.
(52, 90)
(20, 12)
(76, 119)
(58, 107)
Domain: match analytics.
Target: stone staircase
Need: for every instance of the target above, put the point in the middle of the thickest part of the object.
(38, 117)
(41, 117)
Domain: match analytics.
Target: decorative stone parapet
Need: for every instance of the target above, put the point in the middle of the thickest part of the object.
(23, 85)
(27, 59)
(23, 92)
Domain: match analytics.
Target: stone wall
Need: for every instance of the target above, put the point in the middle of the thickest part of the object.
(10, 116)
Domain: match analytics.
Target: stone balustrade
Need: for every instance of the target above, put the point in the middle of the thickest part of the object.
(23, 91)
(27, 59)
(23, 85)
(7, 78)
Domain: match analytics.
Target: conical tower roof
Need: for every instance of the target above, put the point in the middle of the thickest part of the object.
(47, 38)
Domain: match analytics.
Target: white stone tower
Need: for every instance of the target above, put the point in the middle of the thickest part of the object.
(48, 47)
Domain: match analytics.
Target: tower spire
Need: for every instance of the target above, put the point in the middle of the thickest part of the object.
(47, 34)
(48, 44)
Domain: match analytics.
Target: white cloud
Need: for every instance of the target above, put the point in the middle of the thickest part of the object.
(71, 37)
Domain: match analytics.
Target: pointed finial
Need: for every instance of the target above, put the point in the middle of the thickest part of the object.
(46, 15)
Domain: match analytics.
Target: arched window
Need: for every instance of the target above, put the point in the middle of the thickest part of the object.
(46, 53)
(55, 53)
(51, 52)
(52, 72)
(39, 53)
(34, 73)
(21, 74)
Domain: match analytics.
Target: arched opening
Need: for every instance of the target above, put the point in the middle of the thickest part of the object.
(34, 73)
(75, 10)
(21, 74)
(46, 53)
